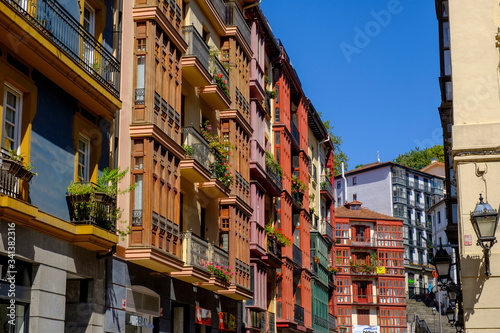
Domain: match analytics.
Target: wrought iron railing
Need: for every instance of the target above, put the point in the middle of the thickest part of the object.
(197, 146)
(362, 241)
(326, 229)
(298, 314)
(93, 208)
(196, 45)
(218, 255)
(67, 33)
(273, 247)
(9, 184)
(195, 251)
(235, 17)
(326, 185)
(421, 326)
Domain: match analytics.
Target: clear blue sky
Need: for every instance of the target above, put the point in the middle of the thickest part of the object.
(379, 88)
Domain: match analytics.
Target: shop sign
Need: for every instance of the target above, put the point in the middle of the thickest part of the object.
(365, 329)
(411, 281)
(380, 270)
(203, 316)
(227, 321)
(139, 321)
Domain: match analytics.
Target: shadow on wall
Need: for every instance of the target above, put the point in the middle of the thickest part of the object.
(474, 264)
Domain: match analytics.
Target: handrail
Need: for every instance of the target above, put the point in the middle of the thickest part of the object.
(59, 26)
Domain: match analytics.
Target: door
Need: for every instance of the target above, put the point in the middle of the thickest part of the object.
(88, 43)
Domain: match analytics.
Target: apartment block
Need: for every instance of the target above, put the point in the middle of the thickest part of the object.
(371, 274)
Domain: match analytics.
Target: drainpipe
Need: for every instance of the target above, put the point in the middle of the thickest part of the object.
(318, 179)
(345, 182)
(250, 6)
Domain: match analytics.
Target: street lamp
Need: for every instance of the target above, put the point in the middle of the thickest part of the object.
(484, 219)
(452, 293)
(442, 262)
(342, 329)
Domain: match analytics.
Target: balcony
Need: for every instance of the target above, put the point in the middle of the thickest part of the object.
(216, 95)
(240, 289)
(197, 254)
(419, 205)
(273, 253)
(298, 314)
(401, 200)
(234, 17)
(398, 180)
(332, 322)
(364, 242)
(319, 321)
(326, 188)
(297, 256)
(195, 63)
(200, 163)
(327, 230)
(257, 239)
(50, 38)
(196, 167)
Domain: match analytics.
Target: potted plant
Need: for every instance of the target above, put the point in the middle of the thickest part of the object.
(316, 259)
(12, 162)
(220, 272)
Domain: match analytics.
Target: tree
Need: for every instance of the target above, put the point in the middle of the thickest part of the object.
(338, 155)
(417, 158)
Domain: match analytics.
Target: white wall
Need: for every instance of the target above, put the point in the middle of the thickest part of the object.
(373, 188)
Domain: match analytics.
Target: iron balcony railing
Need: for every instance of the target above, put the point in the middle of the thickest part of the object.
(297, 255)
(234, 17)
(295, 133)
(361, 241)
(271, 322)
(9, 184)
(195, 251)
(298, 314)
(217, 68)
(218, 255)
(96, 208)
(275, 177)
(326, 229)
(197, 146)
(196, 45)
(326, 185)
(68, 34)
(273, 247)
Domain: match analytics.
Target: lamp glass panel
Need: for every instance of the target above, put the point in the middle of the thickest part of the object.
(452, 295)
(486, 226)
(443, 268)
(450, 314)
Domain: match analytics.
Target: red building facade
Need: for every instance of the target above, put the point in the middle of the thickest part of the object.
(370, 259)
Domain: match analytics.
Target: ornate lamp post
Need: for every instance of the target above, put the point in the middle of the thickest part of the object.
(484, 219)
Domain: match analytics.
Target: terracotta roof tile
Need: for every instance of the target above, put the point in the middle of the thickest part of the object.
(362, 213)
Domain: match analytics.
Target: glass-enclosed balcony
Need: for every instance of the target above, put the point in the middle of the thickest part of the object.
(298, 314)
(326, 188)
(295, 133)
(197, 167)
(297, 255)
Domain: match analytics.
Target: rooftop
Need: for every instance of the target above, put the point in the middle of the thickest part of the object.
(353, 209)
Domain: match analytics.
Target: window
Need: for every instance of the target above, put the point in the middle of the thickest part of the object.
(12, 118)
(83, 158)
(354, 197)
(89, 26)
(338, 185)
(363, 317)
(439, 217)
(354, 181)
(344, 316)
(277, 115)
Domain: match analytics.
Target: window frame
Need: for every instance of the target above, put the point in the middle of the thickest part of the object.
(18, 116)
(86, 165)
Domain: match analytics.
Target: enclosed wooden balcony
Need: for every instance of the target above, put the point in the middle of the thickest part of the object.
(273, 253)
(48, 38)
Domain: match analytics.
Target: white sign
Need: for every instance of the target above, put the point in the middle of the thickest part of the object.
(365, 329)
(139, 321)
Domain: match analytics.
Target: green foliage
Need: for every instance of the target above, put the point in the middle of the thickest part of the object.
(282, 240)
(418, 158)
(338, 155)
(272, 165)
(188, 149)
(223, 273)
(272, 94)
(109, 180)
(223, 149)
(358, 166)
(80, 188)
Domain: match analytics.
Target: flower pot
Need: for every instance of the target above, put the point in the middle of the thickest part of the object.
(25, 174)
(78, 198)
(13, 167)
(103, 198)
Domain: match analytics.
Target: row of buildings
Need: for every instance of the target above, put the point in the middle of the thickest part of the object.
(225, 218)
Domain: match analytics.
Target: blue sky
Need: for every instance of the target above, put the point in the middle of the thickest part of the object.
(369, 66)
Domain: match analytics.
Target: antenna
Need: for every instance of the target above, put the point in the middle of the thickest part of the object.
(378, 156)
